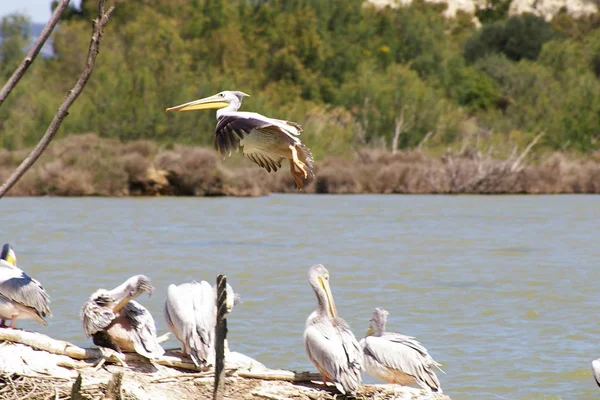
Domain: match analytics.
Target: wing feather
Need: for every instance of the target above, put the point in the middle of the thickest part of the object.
(403, 353)
(234, 129)
(191, 310)
(17, 286)
(334, 348)
(596, 370)
(144, 338)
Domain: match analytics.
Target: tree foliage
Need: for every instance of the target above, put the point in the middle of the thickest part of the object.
(345, 70)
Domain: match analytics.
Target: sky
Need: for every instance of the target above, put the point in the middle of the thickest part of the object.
(37, 10)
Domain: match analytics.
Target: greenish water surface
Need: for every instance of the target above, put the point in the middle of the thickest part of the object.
(501, 290)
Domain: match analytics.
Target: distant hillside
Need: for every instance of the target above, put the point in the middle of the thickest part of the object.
(36, 29)
(543, 8)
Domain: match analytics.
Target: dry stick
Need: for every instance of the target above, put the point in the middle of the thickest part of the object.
(37, 46)
(517, 163)
(98, 30)
(76, 389)
(220, 335)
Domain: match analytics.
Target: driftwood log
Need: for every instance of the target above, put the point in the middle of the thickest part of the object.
(33, 365)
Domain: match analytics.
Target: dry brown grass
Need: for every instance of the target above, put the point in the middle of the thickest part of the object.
(86, 165)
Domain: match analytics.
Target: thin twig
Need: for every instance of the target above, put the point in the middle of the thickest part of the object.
(517, 163)
(98, 30)
(37, 46)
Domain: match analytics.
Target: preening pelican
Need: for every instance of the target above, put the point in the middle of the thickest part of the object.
(396, 358)
(329, 342)
(596, 370)
(190, 312)
(266, 141)
(21, 297)
(116, 321)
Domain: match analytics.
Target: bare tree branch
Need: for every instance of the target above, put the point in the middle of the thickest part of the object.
(399, 127)
(98, 30)
(516, 165)
(37, 46)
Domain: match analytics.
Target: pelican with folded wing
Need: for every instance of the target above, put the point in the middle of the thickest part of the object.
(397, 358)
(191, 312)
(266, 141)
(330, 344)
(21, 297)
(116, 321)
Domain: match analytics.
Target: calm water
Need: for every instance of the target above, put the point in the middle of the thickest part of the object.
(501, 290)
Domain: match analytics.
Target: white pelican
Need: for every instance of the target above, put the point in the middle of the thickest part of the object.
(266, 141)
(21, 297)
(596, 370)
(116, 321)
(329, 342)
(191, 312)
(396, 358)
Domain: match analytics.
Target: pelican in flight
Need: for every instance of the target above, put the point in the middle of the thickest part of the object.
(21, 297)
(266, 141)
(116, 321)
(191, 312)
(596, 370)
(396, 358)
(329, 342)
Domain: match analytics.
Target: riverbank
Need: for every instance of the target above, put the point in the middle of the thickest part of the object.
(86, 165)
(33, 365)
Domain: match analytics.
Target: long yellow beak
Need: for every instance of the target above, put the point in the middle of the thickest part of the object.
(370, 331)
(207, 103)
(330, 303)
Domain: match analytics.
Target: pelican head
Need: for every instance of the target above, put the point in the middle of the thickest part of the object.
(219, 100)
(233, 299)
(8, 255)
(318, 276)
(378, 321)
(122, 294)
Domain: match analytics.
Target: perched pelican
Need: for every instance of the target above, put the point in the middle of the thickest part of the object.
(266, 141)
(329, 343)
(596, 370)
(116, 321)
(396, 358)
(190, 312)
(21, 297)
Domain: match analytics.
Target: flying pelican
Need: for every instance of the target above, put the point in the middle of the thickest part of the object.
(596, 370)
(190, 312)
(396, 358)
(266, 141)
(116, 321)
(329, 342)
(21, 297)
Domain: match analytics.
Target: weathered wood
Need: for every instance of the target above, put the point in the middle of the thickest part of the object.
(113, 389)
(98, 30)
(76, 389)
(23, 369)
(220, 336)
(281, 375)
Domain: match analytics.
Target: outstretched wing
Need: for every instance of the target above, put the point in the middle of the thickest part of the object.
(231, 128)
(264, 145)
(17, 286)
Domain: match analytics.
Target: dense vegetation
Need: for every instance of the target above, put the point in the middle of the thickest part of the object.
(352, 75)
